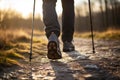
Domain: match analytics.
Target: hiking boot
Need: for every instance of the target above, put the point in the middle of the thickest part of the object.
(68, 46)
(53, 47)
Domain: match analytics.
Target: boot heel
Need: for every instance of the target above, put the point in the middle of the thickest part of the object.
(53, 52)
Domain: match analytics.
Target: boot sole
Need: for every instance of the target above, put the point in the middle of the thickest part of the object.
(53, 52)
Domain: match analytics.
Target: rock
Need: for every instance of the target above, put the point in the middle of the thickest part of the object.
(91, 66)
(116, 51)
(49, 78)
(81, 57)
(93, 57)
(21, 71)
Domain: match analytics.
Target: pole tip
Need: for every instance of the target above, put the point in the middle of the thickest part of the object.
(94, 51)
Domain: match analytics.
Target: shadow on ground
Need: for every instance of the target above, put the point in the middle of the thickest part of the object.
(80, 68)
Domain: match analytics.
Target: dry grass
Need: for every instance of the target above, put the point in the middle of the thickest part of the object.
(9, 58)
(8, 37)
(12, 54)
(109, 34)
(8, 41)
(40, 40)
(4, 61)
(15, 43)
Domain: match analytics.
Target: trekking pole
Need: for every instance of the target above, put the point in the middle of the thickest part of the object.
(91, 25)
(31, 42)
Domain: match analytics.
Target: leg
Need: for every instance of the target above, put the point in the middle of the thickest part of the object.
(50, 17)
(68, 25)
(67, 20)
(52, 29)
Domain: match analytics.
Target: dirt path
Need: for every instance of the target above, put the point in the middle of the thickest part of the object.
(81, 64)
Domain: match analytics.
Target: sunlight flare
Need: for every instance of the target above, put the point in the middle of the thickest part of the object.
(25, 7)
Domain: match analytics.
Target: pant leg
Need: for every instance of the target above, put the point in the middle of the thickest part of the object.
(67, 20)
(50, 17)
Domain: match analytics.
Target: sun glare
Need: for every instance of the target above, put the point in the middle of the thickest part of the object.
(25, 7)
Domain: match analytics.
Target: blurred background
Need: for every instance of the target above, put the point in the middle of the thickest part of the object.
(18, 15)
(16, 25)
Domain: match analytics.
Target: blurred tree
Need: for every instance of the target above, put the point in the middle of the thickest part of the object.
(10, 19)
(106, 12)
(3, 19)
(102, 12)
(105, 15)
